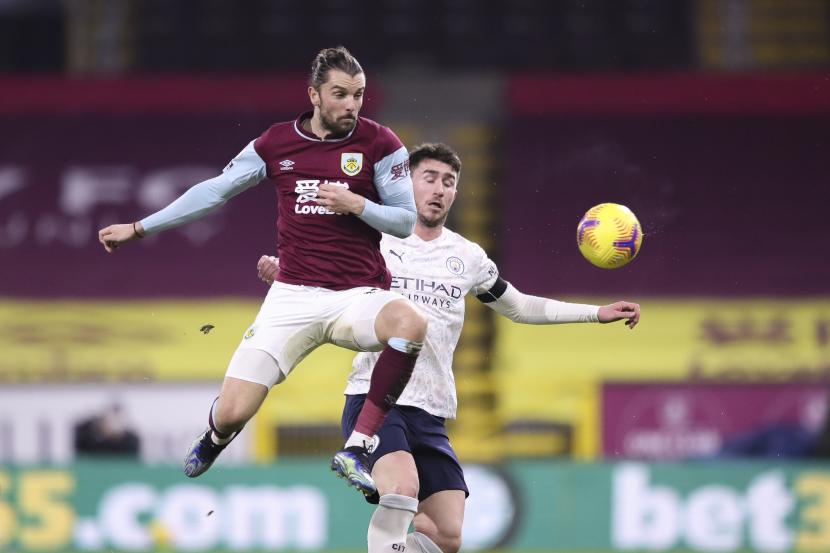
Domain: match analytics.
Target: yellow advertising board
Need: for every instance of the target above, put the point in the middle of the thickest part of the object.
(146, 341)
(554, 372)
(541, 372)
(125, 341)
(193, 340)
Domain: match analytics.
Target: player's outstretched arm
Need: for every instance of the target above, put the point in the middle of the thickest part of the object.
(524, 308)
(246, 170)
(506, 300)
(196, 202)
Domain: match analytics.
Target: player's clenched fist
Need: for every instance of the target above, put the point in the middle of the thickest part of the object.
(114, 235)
(267, 268)
(619, 311)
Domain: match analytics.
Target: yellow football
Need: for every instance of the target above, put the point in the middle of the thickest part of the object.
(609, 235)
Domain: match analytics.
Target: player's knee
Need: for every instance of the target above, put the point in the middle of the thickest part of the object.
(419, 325)
(401, 319)
(396, 479)
(408, 322)
(409, 489)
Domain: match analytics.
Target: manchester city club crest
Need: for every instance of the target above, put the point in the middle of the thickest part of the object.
(351, 163)
(455, 265)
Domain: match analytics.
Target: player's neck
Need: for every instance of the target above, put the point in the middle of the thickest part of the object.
(315, 127)
(426, 233)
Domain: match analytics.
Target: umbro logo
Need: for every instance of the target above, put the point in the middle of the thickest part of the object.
(286, 165)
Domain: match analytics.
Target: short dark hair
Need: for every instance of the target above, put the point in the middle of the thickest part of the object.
(332, 58)
(437, 151)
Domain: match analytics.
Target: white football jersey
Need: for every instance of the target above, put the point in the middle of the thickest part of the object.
(435, 276)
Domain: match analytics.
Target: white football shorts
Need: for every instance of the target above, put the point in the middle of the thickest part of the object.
(294, 320)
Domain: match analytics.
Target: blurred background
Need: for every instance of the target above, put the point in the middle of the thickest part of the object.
(705, 429)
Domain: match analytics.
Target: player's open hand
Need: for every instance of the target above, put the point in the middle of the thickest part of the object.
(621, 310)
(267, 268)
(340, 199)
(114, 235)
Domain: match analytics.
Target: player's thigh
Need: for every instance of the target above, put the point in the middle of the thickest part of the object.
(396, 473)
(250, 375)
(441, 516)
(253, 366)
(354, 326)
(438, 466)
(290, 325)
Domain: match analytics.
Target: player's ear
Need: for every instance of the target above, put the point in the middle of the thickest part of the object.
(314, 96)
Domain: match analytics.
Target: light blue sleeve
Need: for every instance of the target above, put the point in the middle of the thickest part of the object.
(245, 170)
(394, 185)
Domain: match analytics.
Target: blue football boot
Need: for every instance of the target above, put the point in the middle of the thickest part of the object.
(202, 453)
(352, 464)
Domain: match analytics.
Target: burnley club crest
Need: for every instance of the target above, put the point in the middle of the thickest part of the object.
(351, 163)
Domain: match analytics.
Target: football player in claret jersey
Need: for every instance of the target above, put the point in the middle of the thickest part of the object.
(341, 180)
(415, 468)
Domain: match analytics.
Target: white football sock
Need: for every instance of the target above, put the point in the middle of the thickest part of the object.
(417, 542)
(219, 441)
(362, 440)
(390, 523)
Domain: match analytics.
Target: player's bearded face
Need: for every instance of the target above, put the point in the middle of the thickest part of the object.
(336, 125)
(339, 101)
(434, 183)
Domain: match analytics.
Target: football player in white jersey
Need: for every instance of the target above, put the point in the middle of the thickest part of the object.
(414, 466)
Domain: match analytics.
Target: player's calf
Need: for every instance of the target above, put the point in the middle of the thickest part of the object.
(229, 415)
(244, 389)
(206, 448)
(403, 329)
(421, 541)
(439, 521)
(418, 542)
(389, 377)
